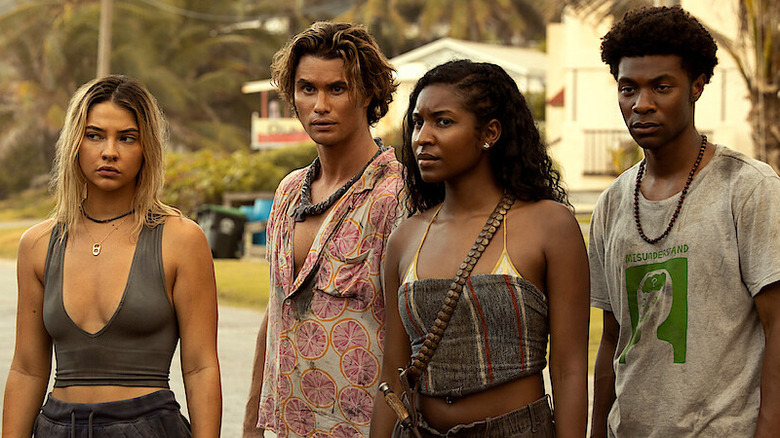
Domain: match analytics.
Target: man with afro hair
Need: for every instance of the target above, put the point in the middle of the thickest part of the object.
(684, 254)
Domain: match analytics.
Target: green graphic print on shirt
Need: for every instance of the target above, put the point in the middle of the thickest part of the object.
(658, 297)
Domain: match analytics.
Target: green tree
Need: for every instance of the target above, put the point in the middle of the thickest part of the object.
(195, 61)
(42, 61)
(401, 25)
(202, 177)
(505, 21)
(601, 9)
(391, 22)
(194, 57)
(756, 50)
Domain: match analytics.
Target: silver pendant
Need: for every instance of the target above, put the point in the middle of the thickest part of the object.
(96, 249)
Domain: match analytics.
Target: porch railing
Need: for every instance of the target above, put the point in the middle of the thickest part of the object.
(600, 145)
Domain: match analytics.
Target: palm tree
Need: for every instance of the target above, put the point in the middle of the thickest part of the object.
(505, 21)
(188, 56)
(602, 9)
(400, 25)
(386, 21)
(756, 50)
(44, 46)
(195, 67)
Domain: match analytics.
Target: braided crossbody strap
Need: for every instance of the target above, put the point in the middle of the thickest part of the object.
(433, 337)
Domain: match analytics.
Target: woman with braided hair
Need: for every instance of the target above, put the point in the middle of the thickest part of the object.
(472, 334)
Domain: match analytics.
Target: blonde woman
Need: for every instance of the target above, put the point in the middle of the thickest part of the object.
(112, 281)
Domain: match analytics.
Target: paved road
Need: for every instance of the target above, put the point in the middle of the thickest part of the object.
(237, 333)
(24, 223)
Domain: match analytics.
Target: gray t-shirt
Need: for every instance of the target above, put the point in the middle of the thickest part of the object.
(688, 358)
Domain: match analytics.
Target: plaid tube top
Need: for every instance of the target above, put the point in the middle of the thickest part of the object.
(498, 332)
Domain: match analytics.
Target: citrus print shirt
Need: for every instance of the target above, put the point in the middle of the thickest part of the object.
(690, 346)
(326, 327)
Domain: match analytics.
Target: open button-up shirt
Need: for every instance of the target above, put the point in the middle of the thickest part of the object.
(326, 326)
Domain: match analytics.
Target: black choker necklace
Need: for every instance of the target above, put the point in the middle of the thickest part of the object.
(103, 221)
(679, 202)
(306, 208)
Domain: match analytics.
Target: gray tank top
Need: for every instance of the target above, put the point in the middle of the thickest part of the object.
(136, 346)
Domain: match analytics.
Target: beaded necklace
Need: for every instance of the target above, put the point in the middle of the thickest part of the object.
(639, 175)
(103, 221)
(306, 208)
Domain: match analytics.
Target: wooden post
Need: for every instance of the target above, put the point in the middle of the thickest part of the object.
(104, 39)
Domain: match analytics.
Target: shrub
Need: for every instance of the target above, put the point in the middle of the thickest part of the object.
(202, 177)
(625, 155)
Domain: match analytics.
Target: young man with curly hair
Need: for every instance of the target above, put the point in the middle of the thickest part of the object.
(320, 343)
(684, 254)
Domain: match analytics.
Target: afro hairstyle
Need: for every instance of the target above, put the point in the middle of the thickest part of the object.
(661, 31)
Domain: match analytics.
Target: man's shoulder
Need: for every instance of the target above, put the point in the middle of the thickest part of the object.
(292, 182)
(739, 164)
(622, 187)
(386, 173)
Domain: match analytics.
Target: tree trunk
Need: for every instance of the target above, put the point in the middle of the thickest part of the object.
(764, 117)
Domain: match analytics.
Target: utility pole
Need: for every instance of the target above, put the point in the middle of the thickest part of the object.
(104, 39)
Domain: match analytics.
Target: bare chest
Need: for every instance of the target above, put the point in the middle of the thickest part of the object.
(304, 235)
(446, 246)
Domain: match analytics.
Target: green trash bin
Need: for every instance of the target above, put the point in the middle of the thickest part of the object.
(224, 228)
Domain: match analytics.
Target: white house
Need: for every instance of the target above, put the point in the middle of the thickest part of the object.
(528, 67)
(583, 122)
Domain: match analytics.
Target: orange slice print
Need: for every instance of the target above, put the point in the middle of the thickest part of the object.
(287, 357)
(345, 242)
(288, 318)
(311, 339)
(347, 334)
(379, 308)
(363, 295)
(360, 367)
(265, 413)
(299, 417)
(380, 338)
(284, 391)
(318, 388)
(355, 405)
(347, 275)
(345, 430)
(373, 243)
(327, 307)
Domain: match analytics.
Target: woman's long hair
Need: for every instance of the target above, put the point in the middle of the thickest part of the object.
(69, 181)
(519, 160)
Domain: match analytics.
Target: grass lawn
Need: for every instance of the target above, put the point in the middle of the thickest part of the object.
(242, 283)
(9, 241)
(30, 204)
(594, 337)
